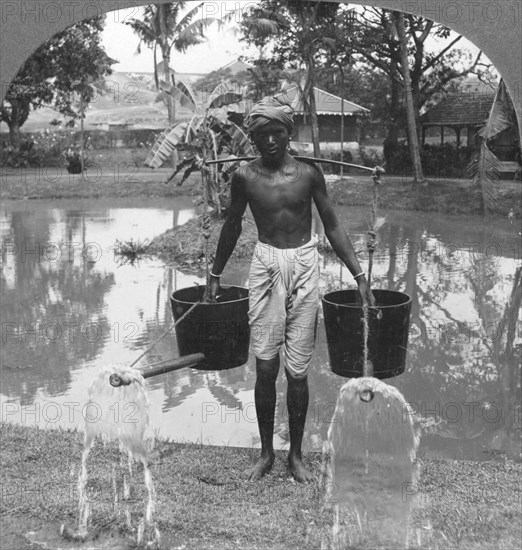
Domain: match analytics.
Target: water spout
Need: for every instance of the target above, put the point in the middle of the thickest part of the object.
(372, 444)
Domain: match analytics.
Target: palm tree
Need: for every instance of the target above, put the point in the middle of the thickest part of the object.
(162, 27)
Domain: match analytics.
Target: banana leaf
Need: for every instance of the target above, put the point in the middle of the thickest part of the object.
(180, 91)
(240, 143)
(485, 168)
(187, 164)
(165, 144)
(223, 94)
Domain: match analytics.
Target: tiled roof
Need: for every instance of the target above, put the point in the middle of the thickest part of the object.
(460, 110)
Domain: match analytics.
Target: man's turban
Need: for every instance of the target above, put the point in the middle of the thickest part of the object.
(268, 109)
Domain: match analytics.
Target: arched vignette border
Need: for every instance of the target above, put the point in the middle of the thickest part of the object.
(495, 26)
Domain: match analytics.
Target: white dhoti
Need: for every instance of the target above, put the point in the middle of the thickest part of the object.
(283, 303)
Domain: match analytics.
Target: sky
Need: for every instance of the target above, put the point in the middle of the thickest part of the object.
(221, 47)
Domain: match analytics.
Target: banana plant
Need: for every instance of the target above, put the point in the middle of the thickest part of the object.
(485, 167)
(208, 135)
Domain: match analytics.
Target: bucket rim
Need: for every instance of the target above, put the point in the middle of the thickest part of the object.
(208, 303)
(324, 298)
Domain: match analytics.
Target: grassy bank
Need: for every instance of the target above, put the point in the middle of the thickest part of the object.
(106, 181)
(441, 195)
(184, 246)
(203, 502)
(128, 180)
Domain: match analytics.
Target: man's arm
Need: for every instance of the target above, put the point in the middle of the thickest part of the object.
(230, 231)
(336, 233)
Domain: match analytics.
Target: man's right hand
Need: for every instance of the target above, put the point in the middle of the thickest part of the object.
(213, 288)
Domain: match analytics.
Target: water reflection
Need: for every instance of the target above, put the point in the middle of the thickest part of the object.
(68, 309)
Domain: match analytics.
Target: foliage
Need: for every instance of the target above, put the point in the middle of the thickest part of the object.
(162, 25)
(439, 161)
(210, 134)
(71, 62)
(44, 148)
(375, 41)
(73, 161)
(130, 251)
(206, 84)
(336, 155)
(294, 29)
(366, 87)
(484, 168)
(22, 157)
(370, 157)
(364, 45)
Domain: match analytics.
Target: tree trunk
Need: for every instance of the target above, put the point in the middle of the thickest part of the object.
(391, 142)
(313, 109)
(82, 134)
(167, 78)
(14, 134)
(165, 53)
(341, 72)
(418, 176)
(18, 116)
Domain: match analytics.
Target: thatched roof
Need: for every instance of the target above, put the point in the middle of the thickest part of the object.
(460, 110)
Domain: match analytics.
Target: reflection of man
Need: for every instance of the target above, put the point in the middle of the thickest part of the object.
(284, 274)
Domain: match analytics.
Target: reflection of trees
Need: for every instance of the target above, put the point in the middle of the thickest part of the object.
(452, 359)
(46, 314)
(508, 357)
(180, 385)
(457, 359)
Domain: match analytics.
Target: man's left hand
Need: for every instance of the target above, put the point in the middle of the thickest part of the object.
(366, 295)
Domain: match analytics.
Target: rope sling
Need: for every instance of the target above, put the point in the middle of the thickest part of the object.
(371, 246)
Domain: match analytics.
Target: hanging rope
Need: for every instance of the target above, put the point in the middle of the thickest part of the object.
(165, 333)
(372, 231)
(371, 245)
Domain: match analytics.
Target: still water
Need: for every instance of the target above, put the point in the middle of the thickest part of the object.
(69, 308)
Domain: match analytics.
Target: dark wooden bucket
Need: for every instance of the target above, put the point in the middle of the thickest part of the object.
(218, 330)
(388, 326)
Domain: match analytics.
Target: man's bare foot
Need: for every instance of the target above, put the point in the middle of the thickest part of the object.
(260, 468)
(298, 469)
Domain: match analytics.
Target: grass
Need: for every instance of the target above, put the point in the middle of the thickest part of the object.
(184, 246)
(118, 180)
(127, 179)
(445, 196)
(203, 502)
(130, 251)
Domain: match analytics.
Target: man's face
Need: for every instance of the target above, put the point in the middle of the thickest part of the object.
(272, 140)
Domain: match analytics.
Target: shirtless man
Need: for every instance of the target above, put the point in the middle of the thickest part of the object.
(284, 274)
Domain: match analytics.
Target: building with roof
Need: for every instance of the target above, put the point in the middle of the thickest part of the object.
(236, 66)
(331, 109)
(463, 113)
(466, 114)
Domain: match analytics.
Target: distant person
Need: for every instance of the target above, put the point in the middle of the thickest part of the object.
(284, 273)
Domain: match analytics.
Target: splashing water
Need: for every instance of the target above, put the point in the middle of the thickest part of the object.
(372, 445)
(118, 413)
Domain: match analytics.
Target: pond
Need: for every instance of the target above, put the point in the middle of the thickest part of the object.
(69, 307)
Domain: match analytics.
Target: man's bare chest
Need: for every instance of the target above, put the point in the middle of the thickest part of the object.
(280, 191)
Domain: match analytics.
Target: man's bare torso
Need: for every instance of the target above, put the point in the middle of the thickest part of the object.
(280, 199)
